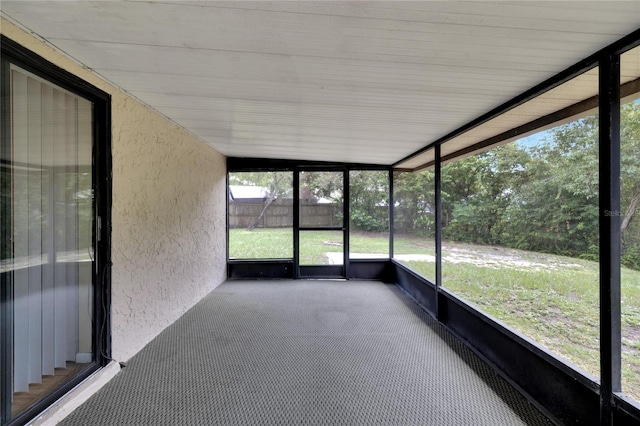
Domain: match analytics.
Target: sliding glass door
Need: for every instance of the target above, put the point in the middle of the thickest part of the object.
(50, 199)
(48, 251)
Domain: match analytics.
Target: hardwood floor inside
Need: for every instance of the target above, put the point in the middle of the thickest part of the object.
(22, 400)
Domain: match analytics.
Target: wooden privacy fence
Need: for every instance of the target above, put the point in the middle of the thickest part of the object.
(243, 214)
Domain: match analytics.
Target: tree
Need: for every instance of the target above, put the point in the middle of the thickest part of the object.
(277, 184)
(545, 197)
(369, 200)
(414, 203)
(630, 183)
(479, 190)
(556, 210)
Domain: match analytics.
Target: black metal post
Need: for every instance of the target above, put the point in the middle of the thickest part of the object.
(440, 314)
(390, 213)
(610, 246)
(228, 222)
(345, 221)
(103, 189)
(296, 224)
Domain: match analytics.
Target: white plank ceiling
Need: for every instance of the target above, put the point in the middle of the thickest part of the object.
(360, 82)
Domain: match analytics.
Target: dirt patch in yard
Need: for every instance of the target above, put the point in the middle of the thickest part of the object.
(495, 257)
(631, 340)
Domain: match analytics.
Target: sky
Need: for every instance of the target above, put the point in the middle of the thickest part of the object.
(532, 140)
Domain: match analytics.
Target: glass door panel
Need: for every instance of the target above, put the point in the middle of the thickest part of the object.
(321, 248)
(321, 233)
(47, 194)
(321, 199)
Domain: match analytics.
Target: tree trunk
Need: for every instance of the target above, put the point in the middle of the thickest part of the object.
(267, 203)
(628, 215)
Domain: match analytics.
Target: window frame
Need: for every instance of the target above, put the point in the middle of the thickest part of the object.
(242, 268)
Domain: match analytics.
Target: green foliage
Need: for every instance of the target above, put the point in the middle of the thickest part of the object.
(369, 200)
(414, 203)
(541, 198)
(363, 221)
(631, 256)
(477, 207)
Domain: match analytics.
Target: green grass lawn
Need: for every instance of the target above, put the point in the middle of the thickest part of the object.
(261, 243)
(551, 299)
(277, 243)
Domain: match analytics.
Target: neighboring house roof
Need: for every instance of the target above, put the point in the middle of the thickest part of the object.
(239, 192)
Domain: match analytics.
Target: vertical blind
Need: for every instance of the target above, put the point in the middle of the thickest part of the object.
(52, 228)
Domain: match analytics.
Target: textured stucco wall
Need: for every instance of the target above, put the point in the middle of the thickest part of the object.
(168, 237)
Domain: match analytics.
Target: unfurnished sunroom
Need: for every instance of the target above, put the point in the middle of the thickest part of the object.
(448, 179)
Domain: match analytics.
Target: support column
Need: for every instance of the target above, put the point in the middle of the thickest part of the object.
(346, 219)
(296, 223)
(391, 219)
(440, 312)
(610, 246)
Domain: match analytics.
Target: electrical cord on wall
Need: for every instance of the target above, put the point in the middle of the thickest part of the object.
(103, 326)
